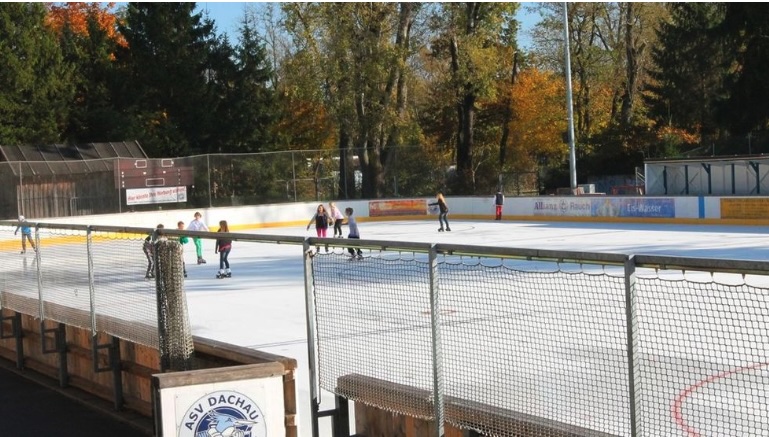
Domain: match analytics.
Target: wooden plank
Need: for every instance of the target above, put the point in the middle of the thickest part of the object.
(382, 397)
(217, 374)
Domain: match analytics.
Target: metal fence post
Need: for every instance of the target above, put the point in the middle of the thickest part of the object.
(630, 287)
(311, 338)
(91, 288)
(436, 342)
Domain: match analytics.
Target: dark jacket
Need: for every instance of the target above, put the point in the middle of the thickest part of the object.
(223, 244)
(441, 205)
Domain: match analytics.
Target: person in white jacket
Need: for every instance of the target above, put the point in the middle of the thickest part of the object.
(198, 225)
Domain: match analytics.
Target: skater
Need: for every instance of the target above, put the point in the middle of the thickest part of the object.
(354, 233)
(149, 251)
(223, 246)
(443, 213)
(198, 225)
(499, 200)
(322, 220)
(26, 234)
(183, 239)
(338, 218)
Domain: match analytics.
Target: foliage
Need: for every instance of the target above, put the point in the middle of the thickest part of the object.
(688, 71)
(395, 97)
(88, 37)
(474, 43)
(744, 30)
(35, 82)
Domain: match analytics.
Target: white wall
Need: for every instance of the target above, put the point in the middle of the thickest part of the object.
(542, 208)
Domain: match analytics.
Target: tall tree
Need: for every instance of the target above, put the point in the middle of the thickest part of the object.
(468, 38)
(746, 32)
(689, 68)
(167, 75)
(359, 52)
(35, 82)
(252, 106)
(89, 39)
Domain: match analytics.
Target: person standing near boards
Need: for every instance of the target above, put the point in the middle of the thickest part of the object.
(443, 212)
(499, 201)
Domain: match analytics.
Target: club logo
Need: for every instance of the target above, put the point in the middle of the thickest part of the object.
(223, 414)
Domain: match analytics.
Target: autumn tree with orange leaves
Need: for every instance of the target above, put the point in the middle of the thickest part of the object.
(89, 39)
(537, 120)
(79, 17)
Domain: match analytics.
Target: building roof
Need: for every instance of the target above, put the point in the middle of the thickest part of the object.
(65, 159)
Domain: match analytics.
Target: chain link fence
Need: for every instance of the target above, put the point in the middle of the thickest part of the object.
(105, 186)
(512, 342)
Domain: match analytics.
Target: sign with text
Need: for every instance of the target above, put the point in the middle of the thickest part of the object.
(152, 195)
(246, 407)
(563, 206)
(604, 207)
(383, 208)
(757, 208)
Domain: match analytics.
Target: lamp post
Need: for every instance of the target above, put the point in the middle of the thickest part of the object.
(569, 106)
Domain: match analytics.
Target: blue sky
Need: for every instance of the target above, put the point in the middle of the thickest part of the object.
(227, 16)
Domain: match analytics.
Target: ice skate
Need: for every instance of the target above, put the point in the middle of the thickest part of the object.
(201, 261)
(440, 229)
(448, 229)
(228, 273)
(220, 274)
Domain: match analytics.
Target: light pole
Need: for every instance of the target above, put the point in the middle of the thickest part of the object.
(569, 106)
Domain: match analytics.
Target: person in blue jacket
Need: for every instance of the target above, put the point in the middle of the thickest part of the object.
(26, 234)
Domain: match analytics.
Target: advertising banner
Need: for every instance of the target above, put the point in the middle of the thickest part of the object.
(757, 208)
(653, 208)
(146, 196)
(561, 206)
(380, 208)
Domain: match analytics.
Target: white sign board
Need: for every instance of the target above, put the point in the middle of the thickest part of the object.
(145, 196)
(243, 408)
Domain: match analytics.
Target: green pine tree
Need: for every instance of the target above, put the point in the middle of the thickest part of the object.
(35, 82)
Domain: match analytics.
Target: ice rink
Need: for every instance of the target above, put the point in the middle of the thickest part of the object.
(263, 307)
(709, 386)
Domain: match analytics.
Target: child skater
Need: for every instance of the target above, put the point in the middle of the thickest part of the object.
(223, 247)
(322, 220)
(444, 212)
(198, 225)
(183, 239)
(338, 217)
(354, 233)
(26, 234)
(149, 251)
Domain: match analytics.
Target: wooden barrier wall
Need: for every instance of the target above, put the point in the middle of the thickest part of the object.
(377, 399)
(66, 353)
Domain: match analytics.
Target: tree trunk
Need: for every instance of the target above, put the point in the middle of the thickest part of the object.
(508, 117)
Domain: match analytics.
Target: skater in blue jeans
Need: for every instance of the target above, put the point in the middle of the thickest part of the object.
(444, 212)
(223, 247)
(26, 234)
